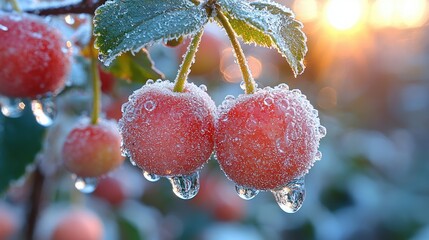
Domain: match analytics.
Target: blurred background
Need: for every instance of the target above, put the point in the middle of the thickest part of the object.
(367, 72)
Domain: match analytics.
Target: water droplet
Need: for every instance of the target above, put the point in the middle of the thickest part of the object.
(11, 107)
(283, 86)
(158, 81)
(132, 162)
(149, 105)
(291, 196)
(322, 131)
(246, 193)
(69, 19)
(186, 186)
(229, 98)
(243, 85)
(203, 87)
(149, 82)
(150, 176)
(318, 156)
(85, 185)
(44, 110)
(3, 28)
(268, 101)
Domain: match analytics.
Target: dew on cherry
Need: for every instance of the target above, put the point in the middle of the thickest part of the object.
(291, 196)
(268, 101)
(322, 131)
(318, 156)
(185, 186)
(44, 111)
(149, 82)
(85, 184)
(150, 176)
(11, 107)
(132, 162)
(245, 192)
(149, 105)
(283, 86)
(203, 87)
(3, 28)
(243, 85)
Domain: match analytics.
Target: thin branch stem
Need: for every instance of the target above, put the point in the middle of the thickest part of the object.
(184, 70)
(96, 85)
(241, 58)
(84, 6)
(15, 5)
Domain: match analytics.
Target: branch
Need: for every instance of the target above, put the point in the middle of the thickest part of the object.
(85, 6)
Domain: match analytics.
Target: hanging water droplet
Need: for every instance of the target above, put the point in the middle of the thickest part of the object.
(11, 107)
(291, 196)
(203, 87)
(318, 156)
(44, 110)
(246, 193)
(186, 186)
(149, 105)
(86, 185)
(322, 131)
(150, 176)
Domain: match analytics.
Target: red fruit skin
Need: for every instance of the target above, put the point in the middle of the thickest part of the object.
(262, 144)
(173, 138)
(8, 223)
(78, 224)
(34, 59)
(92, 150)
(107, 80)
(110, 190)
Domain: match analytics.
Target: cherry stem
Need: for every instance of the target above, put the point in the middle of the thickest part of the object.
(96, 85)
(15, 5)
(239, 55)
(188, 59)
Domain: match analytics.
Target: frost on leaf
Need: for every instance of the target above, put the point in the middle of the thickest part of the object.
(129, 25)
(269, 19)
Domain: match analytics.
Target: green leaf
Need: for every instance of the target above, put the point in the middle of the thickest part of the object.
(136, 68)
(129, 25)
(128, 230)
(20, 141)
(270, 19)
(250, 34)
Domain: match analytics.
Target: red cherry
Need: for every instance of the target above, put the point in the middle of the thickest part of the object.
(267, 139)
(168, 133)
(78, 224)
(111, 190)
(92, 150)
(34, 59)
(107, 80)
(8, 222)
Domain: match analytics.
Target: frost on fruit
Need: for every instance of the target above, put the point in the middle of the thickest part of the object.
(92, 150)
(34, 58)
(267, 139)
(168, 133)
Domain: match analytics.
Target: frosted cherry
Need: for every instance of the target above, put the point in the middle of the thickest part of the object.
(267, 139)
(34, 58)
(92, 150)
(168, 133)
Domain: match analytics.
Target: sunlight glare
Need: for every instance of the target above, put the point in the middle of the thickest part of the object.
(344, 15)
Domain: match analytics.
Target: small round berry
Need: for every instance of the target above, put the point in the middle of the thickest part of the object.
(91, 150)
(34, 58)
(267, 139)
(111, 190)
(168, 133)
(78, 224)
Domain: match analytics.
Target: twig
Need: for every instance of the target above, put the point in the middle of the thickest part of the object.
(85, 6)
